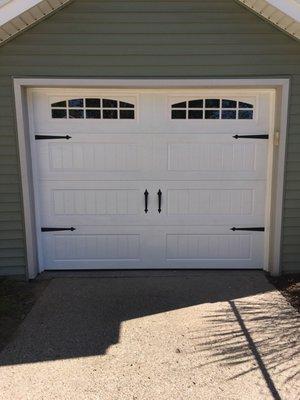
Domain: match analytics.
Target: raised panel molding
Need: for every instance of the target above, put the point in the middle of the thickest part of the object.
(201, 247)
(96, 247)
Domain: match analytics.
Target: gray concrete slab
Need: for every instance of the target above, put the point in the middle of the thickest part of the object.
(167, 336)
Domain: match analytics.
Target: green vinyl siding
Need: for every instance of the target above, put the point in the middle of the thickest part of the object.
(146, 38)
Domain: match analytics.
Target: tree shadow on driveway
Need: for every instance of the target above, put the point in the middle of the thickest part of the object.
(81, 317)
(257, 329)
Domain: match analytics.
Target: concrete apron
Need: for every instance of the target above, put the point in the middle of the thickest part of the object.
(165, 336)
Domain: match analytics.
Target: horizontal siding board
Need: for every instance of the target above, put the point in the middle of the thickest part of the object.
(172, 48)
(10, 188)
(292, 176)
(10, 217)
(8, 140)
(293, 139)
(12, 270)
(290, 240)
(293, 164)
(9, 181)
(153, 38)
(11, 225)
(293, 150)
(291, 257)
(15, 252)
(167, 70)
(168, 17)
(9, 169)
(12, 262)
(292, 194)
(7, 160)
(179, 38)
(291, 221)
(146, 27)
(292, 61)
(295, 92)
(12, 236)
(10, 207)
(8, 151)
(294, 108)
(290, 232)
(291, 185)
(12, 244)
(290, 212)
(10, 198)
(6, 93)
(294, 121)
(290, 267)
(291, 250)
(7, 125)
(292, 205)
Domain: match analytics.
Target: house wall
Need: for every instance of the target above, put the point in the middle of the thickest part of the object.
(145, 38)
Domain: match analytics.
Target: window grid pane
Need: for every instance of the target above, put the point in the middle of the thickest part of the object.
(212, 109)
(92, 108)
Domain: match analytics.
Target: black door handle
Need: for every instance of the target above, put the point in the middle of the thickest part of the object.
(159, 194)
(146, 194)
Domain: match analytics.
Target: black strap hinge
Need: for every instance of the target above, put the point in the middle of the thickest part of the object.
(49, 137)
(45, 229)
(251, 136)
(255, 229)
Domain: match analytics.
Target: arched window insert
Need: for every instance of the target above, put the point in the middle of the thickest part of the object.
(92, 108)
(212, 109)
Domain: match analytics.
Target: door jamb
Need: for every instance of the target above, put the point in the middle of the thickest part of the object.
(282, 86)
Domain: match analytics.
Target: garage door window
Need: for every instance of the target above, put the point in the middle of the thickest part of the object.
(92, 108)
(212, 109)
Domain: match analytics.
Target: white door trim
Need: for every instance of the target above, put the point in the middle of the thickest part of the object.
(282, 101)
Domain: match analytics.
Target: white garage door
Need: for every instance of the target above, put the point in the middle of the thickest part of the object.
(150, 178)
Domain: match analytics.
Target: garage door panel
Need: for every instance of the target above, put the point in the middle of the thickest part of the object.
(212, 156)
(99, 158)
(95, 202)
(159, 156)
(101, 247)
(211, 247)
(204, 247)
(137, 247)
(188, 203)
(212, 202)
(95, 247)
(70, 203)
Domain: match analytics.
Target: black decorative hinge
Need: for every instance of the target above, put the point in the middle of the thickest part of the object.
(256, 229)
(251, 136)
(48, 137)
(57, 229)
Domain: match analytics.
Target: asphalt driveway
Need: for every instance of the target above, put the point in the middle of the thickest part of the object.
(159, 335)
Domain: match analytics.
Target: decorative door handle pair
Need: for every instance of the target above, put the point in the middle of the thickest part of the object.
(146, 195)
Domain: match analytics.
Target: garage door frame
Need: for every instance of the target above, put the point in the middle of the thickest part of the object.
(22, 120)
